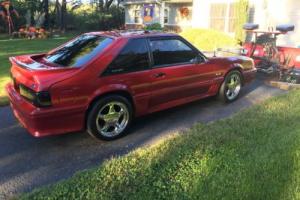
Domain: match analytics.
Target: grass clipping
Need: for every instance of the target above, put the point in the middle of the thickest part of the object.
(253, 155)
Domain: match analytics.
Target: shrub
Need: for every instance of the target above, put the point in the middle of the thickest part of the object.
(154, 26)
(83, 18)
(241, 8)
(90, 19)
(207, 39)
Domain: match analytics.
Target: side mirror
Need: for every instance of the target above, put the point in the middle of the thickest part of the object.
(200, 59)
(197, 60)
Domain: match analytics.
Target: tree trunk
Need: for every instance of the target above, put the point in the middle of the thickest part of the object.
(57, 13)
(46, 11)
(108, 4)
(100, 5)
(63, 15)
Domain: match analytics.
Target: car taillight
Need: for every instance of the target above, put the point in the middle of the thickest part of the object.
(39, 99)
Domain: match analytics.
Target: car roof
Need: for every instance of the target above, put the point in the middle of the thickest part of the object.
(133, 34)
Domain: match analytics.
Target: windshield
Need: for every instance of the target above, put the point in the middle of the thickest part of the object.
(79, 51)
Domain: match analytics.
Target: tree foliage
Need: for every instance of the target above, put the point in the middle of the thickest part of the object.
(241, 9)
(69, 14)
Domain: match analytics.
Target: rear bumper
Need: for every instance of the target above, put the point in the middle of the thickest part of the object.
(45, 121)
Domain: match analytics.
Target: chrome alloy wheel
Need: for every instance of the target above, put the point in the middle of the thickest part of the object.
(112, 119)
(233, 86)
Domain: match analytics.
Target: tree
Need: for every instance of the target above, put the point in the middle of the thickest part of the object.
(61, 11)
(46, 11)
(108, 4)
(103, 5)
(63, 15)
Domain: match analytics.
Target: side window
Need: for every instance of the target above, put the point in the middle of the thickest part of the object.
(171, 51)
(133, 57)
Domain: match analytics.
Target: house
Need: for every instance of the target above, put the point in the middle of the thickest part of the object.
(172, 14)
(215, 14)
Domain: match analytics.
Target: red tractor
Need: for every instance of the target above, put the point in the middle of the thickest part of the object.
(284, 62)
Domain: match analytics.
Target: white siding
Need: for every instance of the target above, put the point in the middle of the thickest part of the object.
(175, 17)
(201, 12)
(156, 17)
(265, 12)
(129, 12)
(269, 13)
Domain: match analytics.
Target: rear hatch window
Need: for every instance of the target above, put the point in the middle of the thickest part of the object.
(79, 51)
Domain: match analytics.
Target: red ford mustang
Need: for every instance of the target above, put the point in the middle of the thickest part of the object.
(100, 82)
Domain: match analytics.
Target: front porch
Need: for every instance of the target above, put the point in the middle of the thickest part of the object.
(171, 15)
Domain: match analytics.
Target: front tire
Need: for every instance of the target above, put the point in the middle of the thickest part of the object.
(231, 87)
(109, 118)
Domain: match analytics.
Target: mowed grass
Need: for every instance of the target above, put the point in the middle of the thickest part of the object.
(17, 47)
(208, 39)
(253, 155)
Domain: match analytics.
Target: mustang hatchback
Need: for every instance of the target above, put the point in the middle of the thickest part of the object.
(101, 81)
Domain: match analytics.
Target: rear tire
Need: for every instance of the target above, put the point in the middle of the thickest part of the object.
(109, 118)
(231, 87)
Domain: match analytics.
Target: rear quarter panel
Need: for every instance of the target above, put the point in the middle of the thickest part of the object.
(243, 64)
(80, 90)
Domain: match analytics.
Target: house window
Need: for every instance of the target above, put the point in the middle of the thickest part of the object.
(166, 16)
(137, 16)
(222, 17)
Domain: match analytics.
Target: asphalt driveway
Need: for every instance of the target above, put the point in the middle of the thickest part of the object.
(27, 162)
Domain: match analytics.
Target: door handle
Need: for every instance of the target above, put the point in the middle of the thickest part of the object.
(158, 75)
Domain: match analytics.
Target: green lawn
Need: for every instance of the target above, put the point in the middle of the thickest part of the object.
(21, 46)
(253, 155)
(208, 40)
